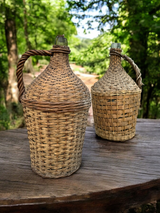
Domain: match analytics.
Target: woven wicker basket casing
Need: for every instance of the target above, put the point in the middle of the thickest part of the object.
(55, 108)
(116, 100)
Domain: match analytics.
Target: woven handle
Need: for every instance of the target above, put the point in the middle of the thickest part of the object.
(20, 66)
(135, 67)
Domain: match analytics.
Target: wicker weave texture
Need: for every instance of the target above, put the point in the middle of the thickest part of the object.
(57, 84)
(55, 108)
(56, 141)
(116, 100)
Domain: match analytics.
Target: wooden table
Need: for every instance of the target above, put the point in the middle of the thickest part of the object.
(113, 176)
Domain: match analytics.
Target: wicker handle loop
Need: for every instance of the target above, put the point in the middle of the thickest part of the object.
(20, 66)
(135, 67)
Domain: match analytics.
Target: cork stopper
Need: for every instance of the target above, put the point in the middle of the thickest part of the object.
(116, 45)
(61, 40)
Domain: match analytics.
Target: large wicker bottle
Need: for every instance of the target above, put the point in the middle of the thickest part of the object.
(116, 99)
(55, 108)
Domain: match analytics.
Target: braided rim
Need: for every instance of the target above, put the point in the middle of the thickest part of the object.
(57, 106)
(135, 67)
(46, 106)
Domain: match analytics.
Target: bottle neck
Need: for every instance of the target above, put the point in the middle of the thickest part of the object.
(60, 62)
(115, 60)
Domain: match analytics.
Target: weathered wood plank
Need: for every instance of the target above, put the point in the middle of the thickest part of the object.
(127, 174)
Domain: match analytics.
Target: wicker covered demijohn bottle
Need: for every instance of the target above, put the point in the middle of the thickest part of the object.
(55, 108)
(116, 99)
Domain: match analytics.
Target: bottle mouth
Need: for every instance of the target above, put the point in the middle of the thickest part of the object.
(61, 41)
(116, 45)
(115, 52)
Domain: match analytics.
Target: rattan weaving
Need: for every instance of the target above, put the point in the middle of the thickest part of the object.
(116, 100)
(55, 108)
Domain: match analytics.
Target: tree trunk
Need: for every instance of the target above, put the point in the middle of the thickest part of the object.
(28, 65)
(11, 39)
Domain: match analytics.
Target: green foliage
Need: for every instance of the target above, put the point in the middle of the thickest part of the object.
(3, 69)
(3, 55)
(76, 45)
(46, 19)
(4, 118)
(3, 77)
(95, 57)
(154, 109)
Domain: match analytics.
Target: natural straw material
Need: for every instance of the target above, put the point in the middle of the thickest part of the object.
(55, 108)
(116, 100)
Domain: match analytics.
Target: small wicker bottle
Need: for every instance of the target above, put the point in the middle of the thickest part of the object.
(116, 99)
(55, 108)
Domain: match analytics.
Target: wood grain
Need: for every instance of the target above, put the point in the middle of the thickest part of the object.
(113, 176)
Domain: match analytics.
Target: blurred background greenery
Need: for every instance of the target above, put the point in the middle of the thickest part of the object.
(34, 24)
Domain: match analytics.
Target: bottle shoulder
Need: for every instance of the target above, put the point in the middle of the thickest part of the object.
(115, 81)
(57, 84)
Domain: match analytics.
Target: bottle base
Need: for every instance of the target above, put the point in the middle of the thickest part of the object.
(57, 174)
(114, 137)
